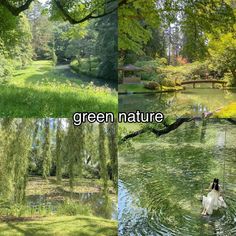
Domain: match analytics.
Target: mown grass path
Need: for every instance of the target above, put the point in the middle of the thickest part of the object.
(60, 226)
(42, 91)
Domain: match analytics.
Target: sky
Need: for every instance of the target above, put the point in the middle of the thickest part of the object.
(43, 1)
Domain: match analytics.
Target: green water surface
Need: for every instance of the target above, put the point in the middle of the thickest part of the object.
(162, 181)
(183, 103)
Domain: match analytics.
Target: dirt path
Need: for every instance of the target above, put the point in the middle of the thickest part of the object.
(66, 70)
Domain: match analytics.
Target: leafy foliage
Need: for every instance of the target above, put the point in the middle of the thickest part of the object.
(54, 144)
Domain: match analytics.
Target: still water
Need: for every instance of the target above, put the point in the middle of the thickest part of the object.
(162, 181)
(101, 205)
(186, 102)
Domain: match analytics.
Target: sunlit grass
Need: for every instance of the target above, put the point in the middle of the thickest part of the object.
(61, 226)
(41, 91)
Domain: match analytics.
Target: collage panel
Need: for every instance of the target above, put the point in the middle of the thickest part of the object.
(57, 57)
(60, 58)
(178, 57)
(57, 179)
(178, 179)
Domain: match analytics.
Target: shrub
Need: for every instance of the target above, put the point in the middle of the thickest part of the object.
(168, 82)
(152, 85)
(218, 86)
(229, 78)
(21, 210)
(6, 68)
(71, 208)
(86, 66)
(151, 68)
(188, 71)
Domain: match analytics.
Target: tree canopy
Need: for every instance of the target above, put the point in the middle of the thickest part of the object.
(181, 32)
(74, 11)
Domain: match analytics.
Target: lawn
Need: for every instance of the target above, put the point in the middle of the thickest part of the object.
(60, 226)
(42, 91)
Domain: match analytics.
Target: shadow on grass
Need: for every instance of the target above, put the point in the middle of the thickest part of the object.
(83, 226)
(44, 76)
(53, 101)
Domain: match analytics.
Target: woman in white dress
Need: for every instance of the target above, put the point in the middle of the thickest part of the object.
(213, 201)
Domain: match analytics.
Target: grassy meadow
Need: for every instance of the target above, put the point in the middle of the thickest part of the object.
(40, 90)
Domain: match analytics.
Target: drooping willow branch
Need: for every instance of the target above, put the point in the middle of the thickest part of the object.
(157, 132)
(17, 10)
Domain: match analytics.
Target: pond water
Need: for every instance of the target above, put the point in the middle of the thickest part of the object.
(186, 102)
(162, 181)
(101, 205)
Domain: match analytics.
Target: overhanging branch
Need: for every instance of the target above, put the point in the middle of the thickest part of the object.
(16, 10)
(231, 120)
(158, 133)
(91, 15)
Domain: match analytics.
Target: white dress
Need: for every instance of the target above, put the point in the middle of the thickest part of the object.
(213, 201)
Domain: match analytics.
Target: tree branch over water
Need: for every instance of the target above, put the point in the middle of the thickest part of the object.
(157, 132)
(167, 129)
(231, 120)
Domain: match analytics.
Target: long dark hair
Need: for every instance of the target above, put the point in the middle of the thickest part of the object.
(215, 184)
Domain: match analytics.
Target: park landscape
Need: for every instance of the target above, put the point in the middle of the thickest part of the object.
(57, 179)
(55, 59)
(178, 57)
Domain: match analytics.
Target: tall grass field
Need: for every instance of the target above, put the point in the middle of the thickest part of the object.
(41, 90)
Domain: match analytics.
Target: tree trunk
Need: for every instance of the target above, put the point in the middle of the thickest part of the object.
(233, 71)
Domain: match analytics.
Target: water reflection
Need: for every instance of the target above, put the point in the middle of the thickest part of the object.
(187, 102)
(162, 193)
(101, 204)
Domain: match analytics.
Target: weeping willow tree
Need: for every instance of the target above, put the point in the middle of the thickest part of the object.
(14, 166)
(102, 157)
(75, 151)
(91, 150)
(47, 158)
(6, 138)
(20, 153)
(59, 154)
(54, 148)
(112, 140)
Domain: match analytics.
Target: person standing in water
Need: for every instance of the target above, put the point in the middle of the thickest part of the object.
(213, 201)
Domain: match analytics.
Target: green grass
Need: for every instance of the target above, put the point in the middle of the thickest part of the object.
(41, 91)
(61, 226)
